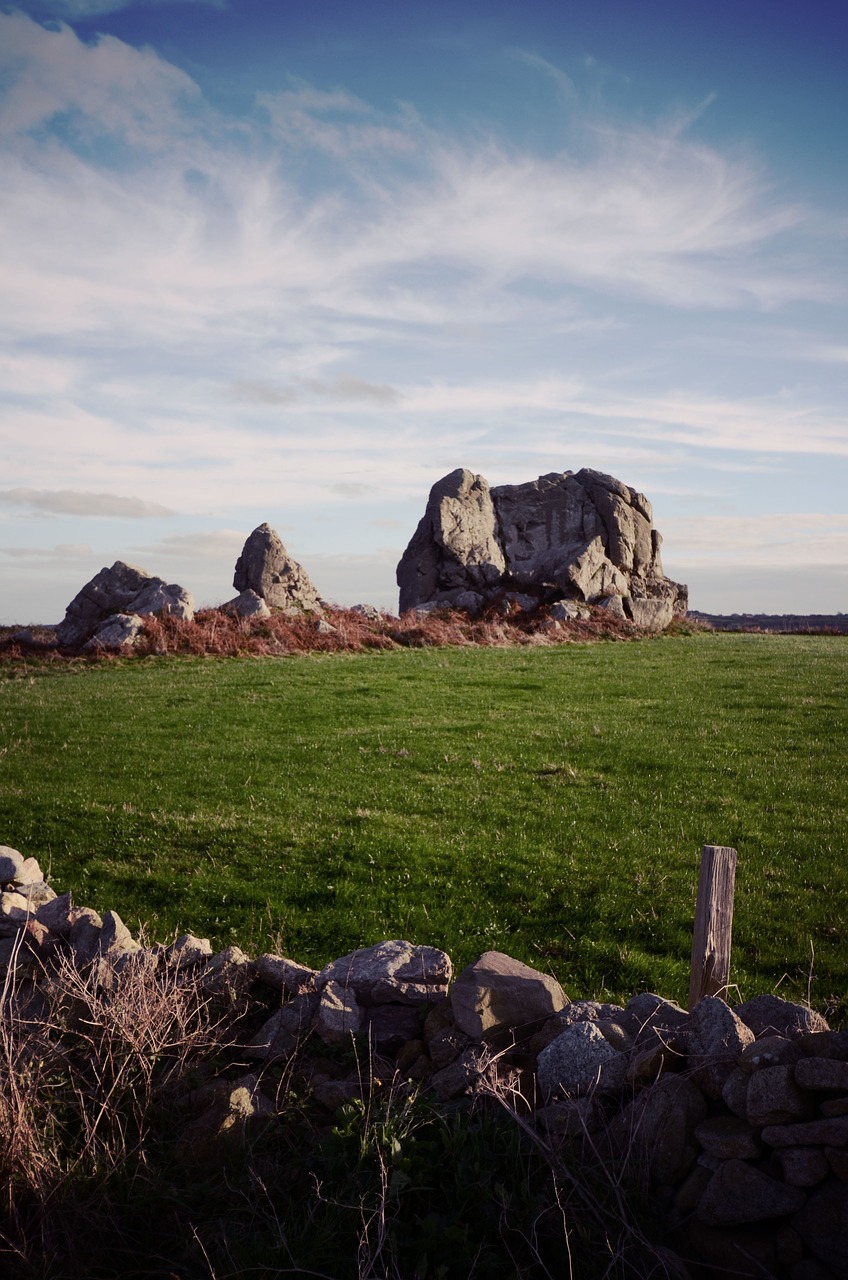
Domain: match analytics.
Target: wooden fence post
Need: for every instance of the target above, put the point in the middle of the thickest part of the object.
(710, 969)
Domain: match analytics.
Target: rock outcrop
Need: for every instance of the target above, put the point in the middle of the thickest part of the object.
(265, 569)
(106, 611)
(580, 536)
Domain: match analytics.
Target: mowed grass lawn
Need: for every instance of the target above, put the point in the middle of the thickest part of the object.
(547, 802)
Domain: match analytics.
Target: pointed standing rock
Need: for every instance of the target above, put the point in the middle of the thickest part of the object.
(266, 568)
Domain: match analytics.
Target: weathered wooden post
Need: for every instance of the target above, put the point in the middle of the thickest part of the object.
(710, 969)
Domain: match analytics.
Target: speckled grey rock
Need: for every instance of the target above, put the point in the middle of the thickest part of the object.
(823, 1225)
(740, 1193)
(118, 631)
(656, 1132)
(769, 1015)
(774, 1097)
(580, 1061)
(188, 950)
(716, 1038)
(395, 972)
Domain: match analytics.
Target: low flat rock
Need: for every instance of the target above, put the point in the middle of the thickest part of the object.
(769, 1015)
(647, 1016)
(829, 1132)
(57, 914)
(822, 1073)
(229, 972)
(280, 1035)
(119, 631)
(248, 604)
(395, 972)
(84, 933)
(284, 975)
(739, 1193)
(389, 1026)
(496, 993)
(803, 1166)
(729, 1138)
(188, 950)
(770, 1051)
(115, 938)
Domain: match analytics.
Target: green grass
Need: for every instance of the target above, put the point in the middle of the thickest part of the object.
(548, 802)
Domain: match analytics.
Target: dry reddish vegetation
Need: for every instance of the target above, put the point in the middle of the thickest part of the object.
(221, 633)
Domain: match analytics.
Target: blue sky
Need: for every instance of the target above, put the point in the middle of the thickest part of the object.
(294, 261)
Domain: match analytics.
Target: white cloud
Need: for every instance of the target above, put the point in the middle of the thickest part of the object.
(214, 544)
(75, 502)
(789, 539)
(74, 10)
(319, 300)
(62, 551)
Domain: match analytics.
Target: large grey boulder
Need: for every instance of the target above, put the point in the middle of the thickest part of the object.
(581, 536)
(455, 547)
(266, 568)
(496, 993)
(394, 972)
(123, 589)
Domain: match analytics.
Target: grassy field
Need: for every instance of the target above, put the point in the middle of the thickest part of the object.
(548, 802)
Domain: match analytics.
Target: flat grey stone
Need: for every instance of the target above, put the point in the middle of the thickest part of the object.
(729, 1138)
(284, 975)
(825, 1133)
(774, 1097)
(339, 1015)
(769, 1015)
(822, 1073)
(390, 972)
(739, 1193)
(803, 1166)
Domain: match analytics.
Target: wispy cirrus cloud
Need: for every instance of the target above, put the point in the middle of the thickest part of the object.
(790, 539)
(76, 502)
(61, 551)
(314, 300)
(73, 10)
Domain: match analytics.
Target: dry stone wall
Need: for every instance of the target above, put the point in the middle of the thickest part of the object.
(734, 1120)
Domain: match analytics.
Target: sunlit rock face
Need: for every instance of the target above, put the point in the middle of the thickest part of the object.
(581, 536)
(266, 569)
(118, 592)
